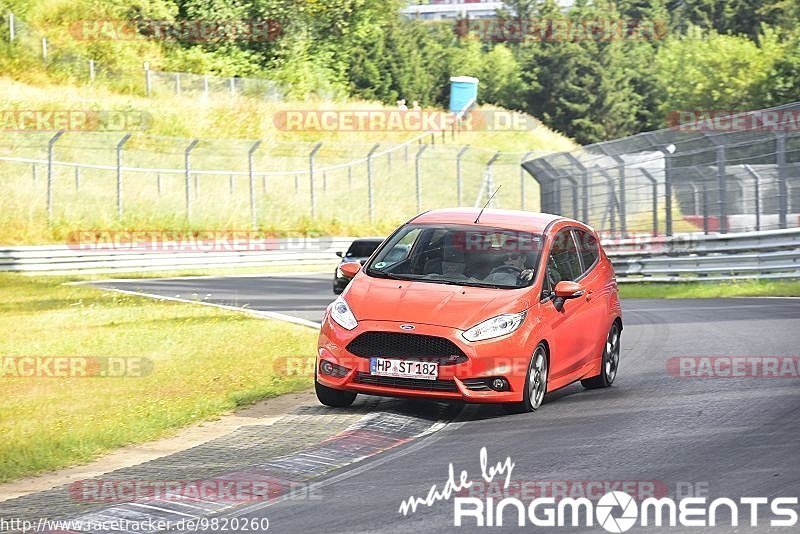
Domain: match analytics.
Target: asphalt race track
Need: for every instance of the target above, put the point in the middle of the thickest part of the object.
(720, 437)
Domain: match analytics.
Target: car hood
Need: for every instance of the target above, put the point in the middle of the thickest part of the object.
(461, 307)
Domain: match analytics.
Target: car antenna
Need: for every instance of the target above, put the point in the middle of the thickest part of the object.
(478, 218)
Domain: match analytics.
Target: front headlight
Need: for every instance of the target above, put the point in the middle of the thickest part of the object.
(495, 327)
(340, 312)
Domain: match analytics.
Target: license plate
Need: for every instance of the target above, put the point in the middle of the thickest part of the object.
(404, 369)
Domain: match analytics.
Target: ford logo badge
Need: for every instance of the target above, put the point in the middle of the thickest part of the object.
(407, 327)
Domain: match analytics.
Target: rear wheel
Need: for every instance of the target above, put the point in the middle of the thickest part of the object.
(608, 369)
(535, 383)
(335, 398)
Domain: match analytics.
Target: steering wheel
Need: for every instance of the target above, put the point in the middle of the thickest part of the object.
(507, 269)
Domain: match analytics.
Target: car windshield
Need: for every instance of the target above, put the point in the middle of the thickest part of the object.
(460, 255)
(362, 249)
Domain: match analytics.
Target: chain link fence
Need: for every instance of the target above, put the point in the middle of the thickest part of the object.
(146, 81)
(720, 172)
(85, 180)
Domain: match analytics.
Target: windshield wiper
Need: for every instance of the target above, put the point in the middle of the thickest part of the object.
(383, 274)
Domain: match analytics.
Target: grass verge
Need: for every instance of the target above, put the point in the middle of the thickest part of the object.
(203, 361)
(746, 288)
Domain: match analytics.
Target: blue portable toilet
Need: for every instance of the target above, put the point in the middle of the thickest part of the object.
(463, 92)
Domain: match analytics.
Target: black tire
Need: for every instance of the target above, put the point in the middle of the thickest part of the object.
(540, 363)
(337, 290)
(335, 398)
(610, 364)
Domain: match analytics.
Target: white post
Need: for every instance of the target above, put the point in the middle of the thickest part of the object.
(11, 32)
(44, 48)
(91, 71)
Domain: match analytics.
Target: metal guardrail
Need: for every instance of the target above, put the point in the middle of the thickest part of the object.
(773, 254)
(72, 259)
(678, 258)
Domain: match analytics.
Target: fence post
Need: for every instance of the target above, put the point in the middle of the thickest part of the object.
(488, 182)
(369, 182)
(311, 175)
(91, 71)
(232, 84)
(757, 192)
(705, 210)
(723, 193)
(231, 185)
(11, 29)
(188, 176)
(44, 49)
(50, 145)
(783, 189)
(522, 180)
(178, 83)
(667, 188)
(350, 177)
(158, 183)
(458, 173)
(654, 194)
(623, 222)
(77, 178)
(147, 84)
(33, 170)
(205, 86)
(251, 174)
(418, 169)
(296, 183)
(119, 172)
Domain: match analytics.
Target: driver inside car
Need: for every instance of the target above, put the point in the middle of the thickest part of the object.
(510, 271)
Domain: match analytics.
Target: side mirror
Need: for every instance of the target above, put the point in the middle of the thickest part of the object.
(350, 269)
(340, 253)
(565, 291)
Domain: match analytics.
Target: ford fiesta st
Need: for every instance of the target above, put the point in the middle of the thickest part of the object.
(486, 306)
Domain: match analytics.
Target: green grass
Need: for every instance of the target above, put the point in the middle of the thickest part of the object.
(747, 288)
(205, 362)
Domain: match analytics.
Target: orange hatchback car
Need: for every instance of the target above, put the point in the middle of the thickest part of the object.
(488, 306)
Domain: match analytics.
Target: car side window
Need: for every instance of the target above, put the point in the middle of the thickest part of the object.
(588, 248)
(564, 262)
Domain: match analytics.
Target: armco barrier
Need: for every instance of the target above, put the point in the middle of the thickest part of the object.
(678, 258)
(773, 254)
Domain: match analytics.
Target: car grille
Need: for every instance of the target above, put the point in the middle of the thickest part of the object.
(406, 346)
(406, 383)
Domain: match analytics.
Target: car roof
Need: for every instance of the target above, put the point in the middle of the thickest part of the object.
(526, 221)
(368, 239)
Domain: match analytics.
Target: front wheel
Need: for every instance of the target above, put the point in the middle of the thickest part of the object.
(335, 398)
(535, 383)
(610, 364)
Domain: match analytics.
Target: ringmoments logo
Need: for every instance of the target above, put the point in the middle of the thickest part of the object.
(615, 511)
